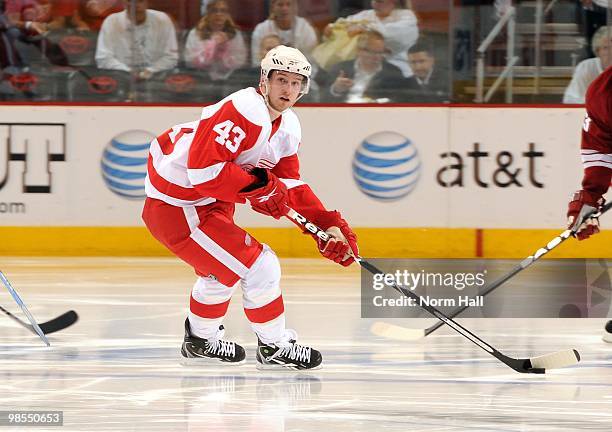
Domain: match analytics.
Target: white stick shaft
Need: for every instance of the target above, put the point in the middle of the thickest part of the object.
(24, 308)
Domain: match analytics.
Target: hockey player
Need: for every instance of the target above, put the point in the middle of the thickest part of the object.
(596, 150)
(242, 148)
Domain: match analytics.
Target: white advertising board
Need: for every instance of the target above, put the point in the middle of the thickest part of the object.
(381, 166)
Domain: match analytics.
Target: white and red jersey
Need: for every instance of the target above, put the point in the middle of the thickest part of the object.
(208, 160)
(596, 147)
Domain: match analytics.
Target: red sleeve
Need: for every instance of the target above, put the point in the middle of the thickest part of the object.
(217, 143)
(301, 197)
(288, 168)
(596, 146)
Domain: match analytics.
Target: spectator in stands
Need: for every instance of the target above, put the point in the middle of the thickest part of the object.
(152, 36)
(17, 79)
(595, 13)
(396, 24)
(587, 70)
(31, 16)
(94, 12)
(215, 44)
(429, 84)
(501, 7)
(369, 77)
(10, 33)
(294, 31)
(249, 75)
(43, 15)
(267, 43)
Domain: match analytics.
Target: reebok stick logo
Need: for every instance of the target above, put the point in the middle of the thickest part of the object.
(302, 221)
(267, 197)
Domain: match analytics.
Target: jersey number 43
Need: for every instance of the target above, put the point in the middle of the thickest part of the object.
(224, 130)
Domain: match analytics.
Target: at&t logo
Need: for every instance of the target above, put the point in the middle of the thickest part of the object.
(386, 166)
(124, 163)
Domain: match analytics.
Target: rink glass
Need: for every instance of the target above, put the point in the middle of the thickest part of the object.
(58, 65)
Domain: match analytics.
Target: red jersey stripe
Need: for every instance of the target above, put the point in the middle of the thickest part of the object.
(168, 188)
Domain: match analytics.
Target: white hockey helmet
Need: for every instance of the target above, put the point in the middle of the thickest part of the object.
(284, 58)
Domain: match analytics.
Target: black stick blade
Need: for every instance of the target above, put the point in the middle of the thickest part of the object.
(59, 323)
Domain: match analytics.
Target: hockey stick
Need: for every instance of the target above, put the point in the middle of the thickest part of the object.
(403, 333)
(56, 324)
(526, 365)
(23, 307)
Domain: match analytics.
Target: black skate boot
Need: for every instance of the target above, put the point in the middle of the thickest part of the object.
(288, 355)
(196, 350)
(607, 337)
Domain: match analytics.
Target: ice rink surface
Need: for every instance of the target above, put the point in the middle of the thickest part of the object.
(118, 368)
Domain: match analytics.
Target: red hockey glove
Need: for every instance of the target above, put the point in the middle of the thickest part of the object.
(583, 203)
(268, 195)
(342, 239)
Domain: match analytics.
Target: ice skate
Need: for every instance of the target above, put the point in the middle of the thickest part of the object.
(196, 350)
(287, 355)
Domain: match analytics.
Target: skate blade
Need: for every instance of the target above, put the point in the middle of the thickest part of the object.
(207, 361)
(283, 368)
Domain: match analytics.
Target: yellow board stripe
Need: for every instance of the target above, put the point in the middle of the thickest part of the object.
(289, 242)
(514, 243)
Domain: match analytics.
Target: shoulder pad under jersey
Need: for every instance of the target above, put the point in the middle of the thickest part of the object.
(247, 102)
(291, 124)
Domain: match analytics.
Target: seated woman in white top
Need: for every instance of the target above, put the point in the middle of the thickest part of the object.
(396, 24)
(589, 69)
(294, 31)
(215, 44)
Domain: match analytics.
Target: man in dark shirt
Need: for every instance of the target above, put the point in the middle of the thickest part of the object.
(11, 35)
(428, 84)
(368, 78)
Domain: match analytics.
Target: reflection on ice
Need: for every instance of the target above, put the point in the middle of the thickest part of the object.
(118, 367)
